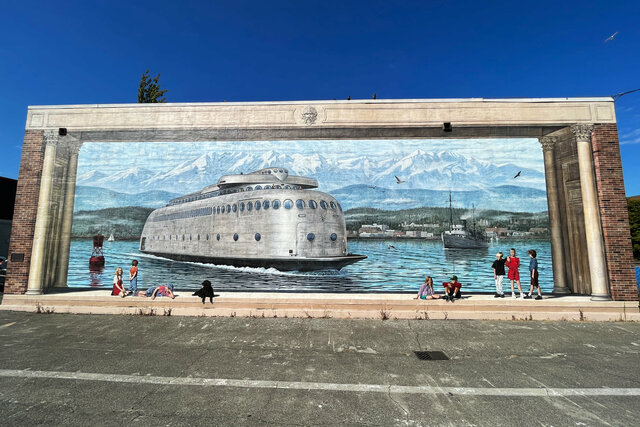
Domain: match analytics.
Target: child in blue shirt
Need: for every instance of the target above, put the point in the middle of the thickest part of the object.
(533, 273)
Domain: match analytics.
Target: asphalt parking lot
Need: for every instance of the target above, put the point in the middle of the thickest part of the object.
(156, 370)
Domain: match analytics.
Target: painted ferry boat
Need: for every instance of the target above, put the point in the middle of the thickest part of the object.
(265, 218)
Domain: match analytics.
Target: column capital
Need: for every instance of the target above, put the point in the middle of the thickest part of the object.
(51, 138)
(582, 131)
(548, 142)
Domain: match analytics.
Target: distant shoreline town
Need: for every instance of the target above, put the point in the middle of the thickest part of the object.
(417, 231)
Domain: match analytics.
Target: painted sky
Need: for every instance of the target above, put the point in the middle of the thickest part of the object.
(165, 155)
(94, 52)
(362, 173)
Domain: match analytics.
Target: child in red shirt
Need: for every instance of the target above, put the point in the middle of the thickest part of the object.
(513, 263)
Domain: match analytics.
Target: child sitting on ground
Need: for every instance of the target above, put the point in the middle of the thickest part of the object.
(426, 290)
(452, 289)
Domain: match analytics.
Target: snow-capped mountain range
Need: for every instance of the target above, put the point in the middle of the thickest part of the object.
(420, 170)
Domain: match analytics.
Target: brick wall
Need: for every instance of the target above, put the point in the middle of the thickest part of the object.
(24, 214)
(614, 213)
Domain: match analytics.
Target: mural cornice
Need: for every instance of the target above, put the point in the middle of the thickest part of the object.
(325, 114)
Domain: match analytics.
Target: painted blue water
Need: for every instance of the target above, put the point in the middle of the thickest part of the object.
(385, 270)
(638, 276)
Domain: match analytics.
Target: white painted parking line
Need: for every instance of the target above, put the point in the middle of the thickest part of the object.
(301, 385)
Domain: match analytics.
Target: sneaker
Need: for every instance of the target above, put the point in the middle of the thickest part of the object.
(446, 298)
(452, 299)
(496, 296)
(501, 295)
(513, 295)
(527, 296)
(521, 296)
(539, 297)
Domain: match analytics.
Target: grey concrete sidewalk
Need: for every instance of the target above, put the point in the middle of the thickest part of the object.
(115, 370)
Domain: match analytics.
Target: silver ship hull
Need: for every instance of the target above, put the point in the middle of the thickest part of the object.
(261, 219)
(281, 264)
(462, 242)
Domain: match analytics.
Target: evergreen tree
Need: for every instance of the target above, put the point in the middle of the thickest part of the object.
(149, 90)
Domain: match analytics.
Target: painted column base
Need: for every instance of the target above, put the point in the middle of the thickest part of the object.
(600, 297)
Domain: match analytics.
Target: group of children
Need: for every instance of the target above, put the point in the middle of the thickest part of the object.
(513, 264)
(452, 288)
(118, 284)
(119, 290)
(205, 291)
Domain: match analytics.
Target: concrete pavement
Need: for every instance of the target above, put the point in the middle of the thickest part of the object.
(152, 370)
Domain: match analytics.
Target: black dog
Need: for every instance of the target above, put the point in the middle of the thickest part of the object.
(206, 291)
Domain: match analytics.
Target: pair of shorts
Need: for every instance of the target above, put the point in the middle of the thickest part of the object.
(534, 280)
(514, 274)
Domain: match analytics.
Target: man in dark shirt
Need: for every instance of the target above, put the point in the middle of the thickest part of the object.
(498, 274)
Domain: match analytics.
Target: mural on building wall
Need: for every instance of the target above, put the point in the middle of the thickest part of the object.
(329, 215)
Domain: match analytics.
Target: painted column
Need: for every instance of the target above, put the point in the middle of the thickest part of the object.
(555, 219)
(67, 218)
(35, 284)
(593, 228)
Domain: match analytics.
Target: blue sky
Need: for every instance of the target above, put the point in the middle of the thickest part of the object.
(77, 52)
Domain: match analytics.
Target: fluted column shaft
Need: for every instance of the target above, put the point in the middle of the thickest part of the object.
(593, 228)
(67, 219)
(555, 219)
(35, 284)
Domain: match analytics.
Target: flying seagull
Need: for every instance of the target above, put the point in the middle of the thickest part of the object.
(398, 180)
(611, 37)
(517, 175)
(390, 247)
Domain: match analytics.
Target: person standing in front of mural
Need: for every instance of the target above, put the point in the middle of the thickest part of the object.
(498, 274)
(118, 286)
(133, 278)
(533, 273)
(513, 263)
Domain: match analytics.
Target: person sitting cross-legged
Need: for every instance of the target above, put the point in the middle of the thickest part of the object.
(426, 290)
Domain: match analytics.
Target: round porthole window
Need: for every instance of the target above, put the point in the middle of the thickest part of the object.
(258, 237)
(311, 237)
(218, 237)
(235, 237)
(313, 204)
(276, 204)
(333, 237)
(235, 207)
(241, 206)
(288, 204)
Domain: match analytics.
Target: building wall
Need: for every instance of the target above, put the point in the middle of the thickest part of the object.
(24, 217)
(614, 214)
(522, 118)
